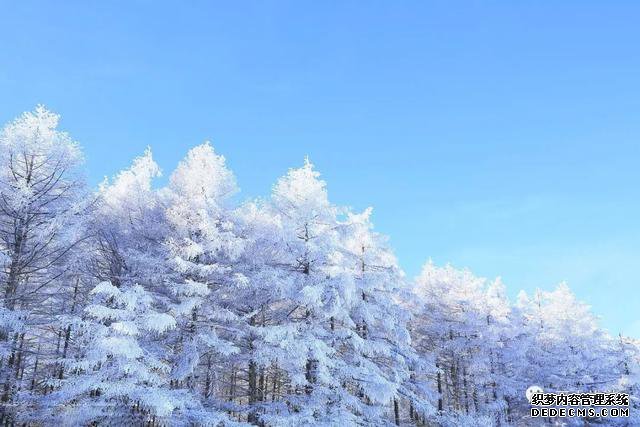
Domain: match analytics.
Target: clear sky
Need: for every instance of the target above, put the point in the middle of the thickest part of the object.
(499, 136)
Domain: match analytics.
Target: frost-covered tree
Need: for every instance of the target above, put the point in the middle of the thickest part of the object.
(129, 226)
(258, 377)
(565, 335)
(375, 340)
(115, 379)
(567, 351)
(463, 324)
(316, 290)
(202, 248)
(625, 358)
(42, 208)
(506, 353)
(347, 346)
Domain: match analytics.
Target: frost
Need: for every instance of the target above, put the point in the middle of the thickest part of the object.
(151, 304)
(159, 322)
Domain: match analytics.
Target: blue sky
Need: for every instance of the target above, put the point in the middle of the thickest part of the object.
(499, 136)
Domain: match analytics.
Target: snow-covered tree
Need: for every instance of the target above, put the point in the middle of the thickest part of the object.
(202, 248)
(42, 208)
(506, 352)
(463, 324)
(258, 376)
(347, 346)
(567, 351)
(316, 289)
(376, 343)
(129, 225)
(625, 358)
(115, 379)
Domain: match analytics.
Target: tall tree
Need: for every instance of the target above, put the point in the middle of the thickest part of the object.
(462, 324)
(41, 222)
(309, 234)
(377, 350)
(202, 247)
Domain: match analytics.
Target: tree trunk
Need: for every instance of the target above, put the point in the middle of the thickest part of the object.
(252, 417)
(439, 389)
(396, 411)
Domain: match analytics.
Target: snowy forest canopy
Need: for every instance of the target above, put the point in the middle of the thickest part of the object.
(138, 305)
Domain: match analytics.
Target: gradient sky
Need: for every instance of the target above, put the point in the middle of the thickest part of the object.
(499, 136)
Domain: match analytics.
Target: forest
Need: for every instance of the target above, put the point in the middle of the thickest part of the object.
(140, 304)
